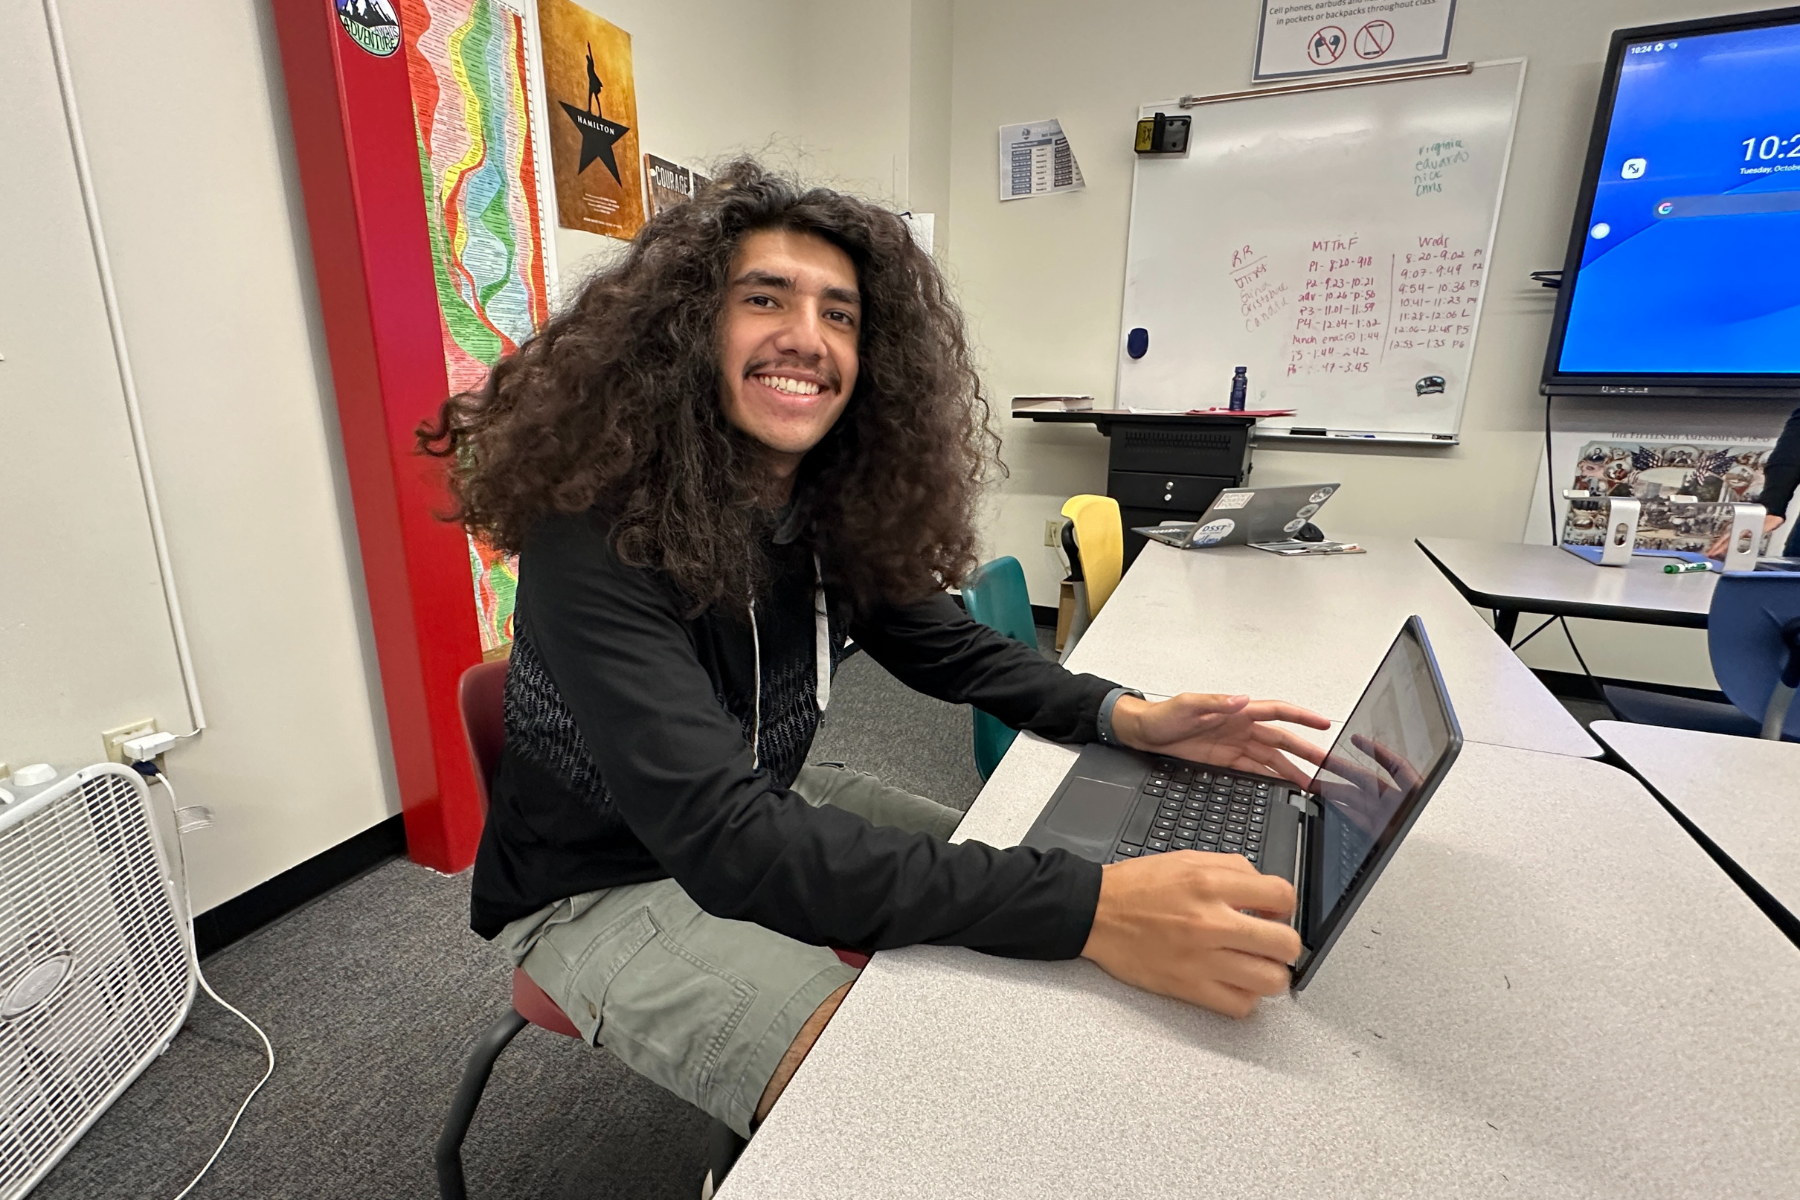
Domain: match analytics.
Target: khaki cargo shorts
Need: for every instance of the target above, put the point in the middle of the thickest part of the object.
(703, 1006)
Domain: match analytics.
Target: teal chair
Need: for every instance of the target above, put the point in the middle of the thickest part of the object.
(995, 595)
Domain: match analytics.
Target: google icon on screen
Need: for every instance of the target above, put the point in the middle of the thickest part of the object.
(1665, 208)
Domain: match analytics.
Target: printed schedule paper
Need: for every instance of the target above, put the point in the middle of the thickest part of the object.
(1035, 160)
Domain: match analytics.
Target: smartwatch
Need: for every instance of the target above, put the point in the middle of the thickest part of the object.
(1104, 720)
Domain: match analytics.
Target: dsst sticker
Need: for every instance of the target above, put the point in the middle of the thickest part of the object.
(1214, 532)
(371, 24)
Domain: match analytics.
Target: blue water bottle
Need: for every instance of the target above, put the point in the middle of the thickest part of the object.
(1240, 390)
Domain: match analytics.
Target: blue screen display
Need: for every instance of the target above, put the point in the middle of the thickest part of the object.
(1692, 259)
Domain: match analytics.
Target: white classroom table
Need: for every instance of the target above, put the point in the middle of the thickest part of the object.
(1511, 578)
(1311, 630)
(1551, 992)
(1743, 794)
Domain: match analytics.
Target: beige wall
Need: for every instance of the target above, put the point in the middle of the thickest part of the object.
(899, 101)
(1043, 279)
(214, 284)
(812, 86)
(203, 213)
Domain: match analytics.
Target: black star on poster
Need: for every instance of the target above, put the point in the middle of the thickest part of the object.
(597, 138)
(587, 77)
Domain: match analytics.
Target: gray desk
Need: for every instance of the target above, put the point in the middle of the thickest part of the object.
(1311, 630)
(1507, 1017)
(1511, 578)
(1741, 794)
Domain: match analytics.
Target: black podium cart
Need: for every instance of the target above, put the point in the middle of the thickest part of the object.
(1163, 466)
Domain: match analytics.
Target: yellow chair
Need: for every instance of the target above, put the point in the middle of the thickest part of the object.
(1098, 561)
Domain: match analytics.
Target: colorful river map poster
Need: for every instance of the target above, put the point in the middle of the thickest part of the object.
(480, 161)
(593, 121)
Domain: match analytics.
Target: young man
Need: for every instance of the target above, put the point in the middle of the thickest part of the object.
(757, 433)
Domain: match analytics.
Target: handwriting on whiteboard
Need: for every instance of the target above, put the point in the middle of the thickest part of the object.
(1342, 311)
(1259, 297)
(1436, 287)
(1357, 302)
(1434, 161)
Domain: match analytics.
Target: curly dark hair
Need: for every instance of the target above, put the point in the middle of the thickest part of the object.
(616, 406)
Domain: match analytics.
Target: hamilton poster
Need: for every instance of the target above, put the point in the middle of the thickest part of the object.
(593, 121)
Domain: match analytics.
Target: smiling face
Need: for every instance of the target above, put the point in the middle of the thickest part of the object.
(787, 343)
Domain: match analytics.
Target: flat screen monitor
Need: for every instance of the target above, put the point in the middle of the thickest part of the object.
(1683, 269)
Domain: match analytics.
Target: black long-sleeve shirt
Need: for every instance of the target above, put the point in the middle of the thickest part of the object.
(1781, 472)
(629, 758)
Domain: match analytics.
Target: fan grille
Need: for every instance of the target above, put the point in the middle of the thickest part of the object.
(82, 877)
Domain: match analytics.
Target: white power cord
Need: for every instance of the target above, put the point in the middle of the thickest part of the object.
(201, 819)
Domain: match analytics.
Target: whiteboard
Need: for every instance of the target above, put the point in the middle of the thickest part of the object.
(1335, 242)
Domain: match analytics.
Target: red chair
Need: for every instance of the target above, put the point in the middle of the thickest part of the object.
(479, 698)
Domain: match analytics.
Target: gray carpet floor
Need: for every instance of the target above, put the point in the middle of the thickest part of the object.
(372, 996)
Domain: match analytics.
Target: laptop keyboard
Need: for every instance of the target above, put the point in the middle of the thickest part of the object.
(1198, 809)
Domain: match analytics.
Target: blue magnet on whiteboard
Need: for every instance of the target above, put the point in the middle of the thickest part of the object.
(1137, 342)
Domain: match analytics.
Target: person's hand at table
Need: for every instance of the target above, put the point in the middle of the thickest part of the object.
(1180, 924)
(1771, 523)
(1221, 731)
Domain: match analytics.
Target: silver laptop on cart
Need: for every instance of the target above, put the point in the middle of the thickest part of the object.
(1246, 516)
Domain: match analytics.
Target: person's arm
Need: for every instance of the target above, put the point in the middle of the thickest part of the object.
(679, 769)
(1780, 475)
(936, 648)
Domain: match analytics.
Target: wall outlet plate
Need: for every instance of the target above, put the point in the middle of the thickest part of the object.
(1051, 529)
(114, 739)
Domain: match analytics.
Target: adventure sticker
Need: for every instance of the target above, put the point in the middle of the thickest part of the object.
(371, 24)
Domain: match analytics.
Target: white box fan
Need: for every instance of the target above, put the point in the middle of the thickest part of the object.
(96, 970)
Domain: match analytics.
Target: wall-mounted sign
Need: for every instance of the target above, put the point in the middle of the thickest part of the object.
(1327, 36)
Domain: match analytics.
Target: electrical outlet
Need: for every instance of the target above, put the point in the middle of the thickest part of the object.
(114, 739)
(1051, 529)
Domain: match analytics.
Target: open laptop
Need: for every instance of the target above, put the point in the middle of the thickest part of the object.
(1331, 841)
(1239, 516)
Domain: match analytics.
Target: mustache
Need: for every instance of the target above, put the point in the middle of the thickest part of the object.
(830, 376)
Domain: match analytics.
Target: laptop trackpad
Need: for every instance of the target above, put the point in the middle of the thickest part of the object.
(1085, 820)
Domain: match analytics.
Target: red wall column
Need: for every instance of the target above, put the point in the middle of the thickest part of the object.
(365, 210)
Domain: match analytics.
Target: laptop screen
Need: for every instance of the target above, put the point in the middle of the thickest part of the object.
(1397, 743)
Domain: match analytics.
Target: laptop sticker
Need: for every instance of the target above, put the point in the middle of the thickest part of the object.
(1294, 525)
(1321, 496)
(1214, 532)
(1233, 500)
(1307, 510)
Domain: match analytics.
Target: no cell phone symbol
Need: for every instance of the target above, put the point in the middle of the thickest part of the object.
(1373, 39)
(1326, 46)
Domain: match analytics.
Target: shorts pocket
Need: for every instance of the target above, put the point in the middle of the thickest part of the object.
(668, 1014)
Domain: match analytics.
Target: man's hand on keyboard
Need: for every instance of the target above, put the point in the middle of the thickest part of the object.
(1181, 924)
(1222, 731)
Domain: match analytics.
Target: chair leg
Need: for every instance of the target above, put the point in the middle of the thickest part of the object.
(724, 1146)
(487, 1048)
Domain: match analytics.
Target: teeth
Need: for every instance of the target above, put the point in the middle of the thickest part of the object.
(793, 387)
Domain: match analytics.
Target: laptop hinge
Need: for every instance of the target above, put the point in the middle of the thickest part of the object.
(1304, 803)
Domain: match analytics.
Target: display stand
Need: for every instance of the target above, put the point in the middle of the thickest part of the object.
(1163, 466)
